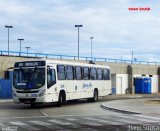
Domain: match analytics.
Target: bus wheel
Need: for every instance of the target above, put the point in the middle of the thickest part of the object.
(61, 99)
(95, 96)
(33, 105)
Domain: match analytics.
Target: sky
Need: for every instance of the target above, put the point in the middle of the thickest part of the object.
(48, 26)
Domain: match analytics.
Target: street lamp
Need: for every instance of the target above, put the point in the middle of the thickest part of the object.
(20, 45)
(27, 50)
(78, 37)
(8, 35)
(91, 46)
(132, 56)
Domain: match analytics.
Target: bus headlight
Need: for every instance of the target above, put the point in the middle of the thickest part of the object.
(42, 92)
(14, 94)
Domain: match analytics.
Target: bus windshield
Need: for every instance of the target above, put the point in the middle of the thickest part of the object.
(29, 78)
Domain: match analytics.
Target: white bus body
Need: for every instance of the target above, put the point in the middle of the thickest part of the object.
(44, 81)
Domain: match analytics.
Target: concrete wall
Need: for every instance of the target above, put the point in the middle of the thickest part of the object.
(116, 68)
(6, 62)
(144, 69)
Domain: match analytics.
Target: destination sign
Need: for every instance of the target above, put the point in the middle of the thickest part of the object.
(29, 64)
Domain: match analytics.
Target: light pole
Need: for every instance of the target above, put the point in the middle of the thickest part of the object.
(27, 50)
(20, 45)
(121, 59)
(132, 56)
(8, 35)
(91, 46)
(78, 37)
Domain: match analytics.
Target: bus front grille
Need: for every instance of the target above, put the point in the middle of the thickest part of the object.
(27, 100)
(27, 91)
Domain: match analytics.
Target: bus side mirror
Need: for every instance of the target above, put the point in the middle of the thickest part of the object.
(6, 75)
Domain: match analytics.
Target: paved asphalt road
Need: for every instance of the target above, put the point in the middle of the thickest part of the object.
(79, 116)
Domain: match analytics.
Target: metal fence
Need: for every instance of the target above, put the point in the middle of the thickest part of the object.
(43, 55)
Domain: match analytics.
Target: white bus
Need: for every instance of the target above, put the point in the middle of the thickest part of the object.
(44, 81)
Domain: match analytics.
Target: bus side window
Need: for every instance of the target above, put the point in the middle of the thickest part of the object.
(61, 72)
(86, 73)
(106, 74)
(93, 74)
(99, 74)
(108, 70)
(70, 72)
(51, 77)
(78, 73)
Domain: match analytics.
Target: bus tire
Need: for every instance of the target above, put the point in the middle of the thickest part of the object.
(95, 96)
(61, 99)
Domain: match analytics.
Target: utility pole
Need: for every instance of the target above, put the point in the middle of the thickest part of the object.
(91, 47)
(20, 45)
(27, 50)
(78, 26)
(8, 35)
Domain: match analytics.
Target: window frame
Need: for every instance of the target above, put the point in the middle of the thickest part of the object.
(81, 72)
(58, 72)
(107, 77)
(88, 74)
(95, 74)
(109, 74)
(101, 74)
(73, 72)
(50, 85)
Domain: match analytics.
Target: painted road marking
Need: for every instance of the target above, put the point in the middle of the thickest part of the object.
(61, 122)
(72, 119)
(23, 125)
(41, 123)
(102, 121)
(119, 119)
(136, 118)
(48, 125)
(65, 123)
(90, 123)
(22, 117)
(148, 117)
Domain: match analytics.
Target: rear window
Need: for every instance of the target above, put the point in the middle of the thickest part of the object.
(106, 74)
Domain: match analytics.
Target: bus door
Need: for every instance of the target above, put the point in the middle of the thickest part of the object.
(51, 81)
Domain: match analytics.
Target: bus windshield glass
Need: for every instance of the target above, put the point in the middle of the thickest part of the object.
(28, 78)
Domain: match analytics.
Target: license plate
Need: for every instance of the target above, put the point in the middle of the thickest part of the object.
(34, 95)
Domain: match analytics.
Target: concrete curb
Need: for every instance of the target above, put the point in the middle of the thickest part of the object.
(5, 100)
(118, 110)
(120, 97)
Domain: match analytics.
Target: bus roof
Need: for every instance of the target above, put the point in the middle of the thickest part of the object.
(65, 62)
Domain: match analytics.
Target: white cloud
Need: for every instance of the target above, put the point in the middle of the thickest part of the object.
(116, 30)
